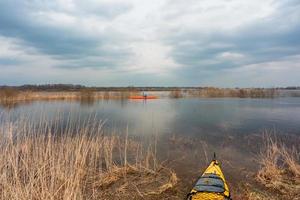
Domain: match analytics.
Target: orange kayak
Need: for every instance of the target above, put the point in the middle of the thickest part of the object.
(143, 97)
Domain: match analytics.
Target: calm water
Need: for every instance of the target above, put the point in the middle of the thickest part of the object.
(190, 117)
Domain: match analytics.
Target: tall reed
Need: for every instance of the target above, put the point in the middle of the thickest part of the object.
(279, 167)
(53, 160)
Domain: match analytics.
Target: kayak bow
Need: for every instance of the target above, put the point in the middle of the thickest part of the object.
(211, 185)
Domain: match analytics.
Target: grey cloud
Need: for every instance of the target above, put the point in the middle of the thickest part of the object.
(270, 39)
(286, 3)
(16, 20)
(202, 55)
(106, 10)
(108, 60)
(9, 61)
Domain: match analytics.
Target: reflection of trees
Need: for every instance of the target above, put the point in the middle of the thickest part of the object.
(87, 101)
(13, 104)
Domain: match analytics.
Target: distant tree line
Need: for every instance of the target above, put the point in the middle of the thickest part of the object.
(51, 87)
(72, 87)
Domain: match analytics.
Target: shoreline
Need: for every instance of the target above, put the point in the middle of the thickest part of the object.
(15, 95)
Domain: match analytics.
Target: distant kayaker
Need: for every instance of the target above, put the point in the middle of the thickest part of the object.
(144, 95)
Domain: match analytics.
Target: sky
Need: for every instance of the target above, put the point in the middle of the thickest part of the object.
(222, 43)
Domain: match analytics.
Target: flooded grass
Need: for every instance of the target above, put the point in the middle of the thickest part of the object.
(35, 163)
(61, 95)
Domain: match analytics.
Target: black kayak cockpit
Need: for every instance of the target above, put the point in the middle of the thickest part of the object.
(210, 183)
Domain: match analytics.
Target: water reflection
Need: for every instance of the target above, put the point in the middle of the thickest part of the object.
(180, 116)
(10, 105)
(87, 101)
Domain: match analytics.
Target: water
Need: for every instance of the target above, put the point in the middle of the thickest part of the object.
(192, 128)
(186, 117)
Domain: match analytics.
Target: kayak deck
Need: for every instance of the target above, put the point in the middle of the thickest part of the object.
(211, 185)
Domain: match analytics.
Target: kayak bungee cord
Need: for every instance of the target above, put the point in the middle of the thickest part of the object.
(211, 185)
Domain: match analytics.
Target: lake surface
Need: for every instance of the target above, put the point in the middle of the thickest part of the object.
(187, 117)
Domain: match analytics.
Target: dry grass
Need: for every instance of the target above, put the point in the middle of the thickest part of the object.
(8, 94)
(11, 95)
(176, 94)
(213, 92)
(258, 196)
(50, 161)
(280, 168)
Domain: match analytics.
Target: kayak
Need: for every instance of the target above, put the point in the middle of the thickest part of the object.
(211, 185)
(143, 97)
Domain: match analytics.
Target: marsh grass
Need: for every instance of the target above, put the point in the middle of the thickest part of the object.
(212, 92)
(280, 167)
(176, 94)
(45, 160)
(12, 95)
(7, 94)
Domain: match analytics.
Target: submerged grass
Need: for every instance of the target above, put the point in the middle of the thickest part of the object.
(79, 163)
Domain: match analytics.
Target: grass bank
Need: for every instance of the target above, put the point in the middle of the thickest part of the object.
(11, 95)
(279, 172)
(280, 168)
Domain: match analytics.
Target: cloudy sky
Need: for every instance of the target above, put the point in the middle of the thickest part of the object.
(225, 43)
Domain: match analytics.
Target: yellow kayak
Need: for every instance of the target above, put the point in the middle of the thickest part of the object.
(211, 185)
